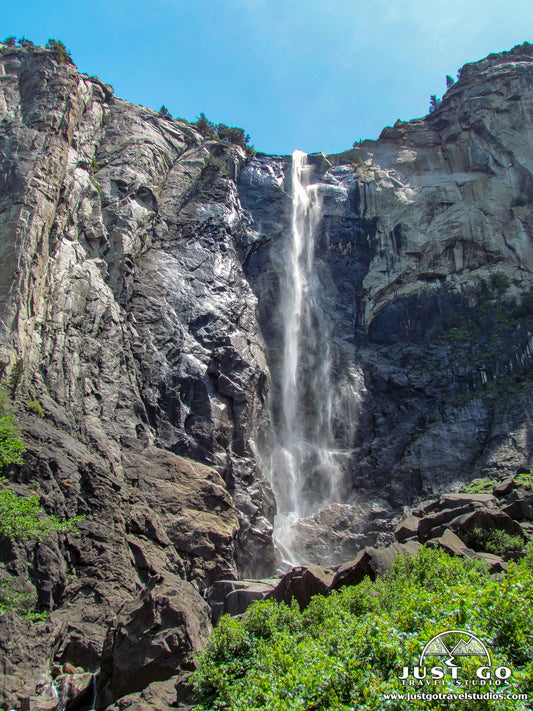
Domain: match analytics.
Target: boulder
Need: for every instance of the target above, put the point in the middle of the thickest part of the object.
(504, 487)
(235, 596)
(160, 695)
(458, 500)
(495, 563)
(427, 525)
(301, 584)
(76, 689)
(240, 599)
(485, 518)
(450, 543)
(407, 528)
(372, 562)
(520, 505)
(152, 639)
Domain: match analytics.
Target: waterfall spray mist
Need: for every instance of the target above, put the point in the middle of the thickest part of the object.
(306, 471)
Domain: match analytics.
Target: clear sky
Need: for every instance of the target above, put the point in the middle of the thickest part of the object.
(308, 74)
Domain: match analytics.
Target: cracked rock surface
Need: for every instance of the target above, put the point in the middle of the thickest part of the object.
(139, 284)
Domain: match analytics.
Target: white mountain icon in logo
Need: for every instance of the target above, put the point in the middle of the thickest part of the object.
(447, 644)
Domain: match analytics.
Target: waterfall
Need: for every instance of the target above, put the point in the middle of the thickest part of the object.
(305, 463)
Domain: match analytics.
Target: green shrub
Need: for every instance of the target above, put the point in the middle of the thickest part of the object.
(519, 201)
(164, 112)
(22, 518)
(493, 541)
(23, 42)
(96, 185)
(205, 127)
(478, 486)
(359, 162)
(35, 407)
(11, 445)
(457, 334)
(12, 599)
(346, 650)
(499, 281)
(525, 480)
(15, 377)
(525, 308)
(10, 41)
(60, 52)
(232, 134)
(229, 134)
(434, 103)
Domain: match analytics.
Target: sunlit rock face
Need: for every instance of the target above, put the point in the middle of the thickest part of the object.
(122, 295)
(424, 257)
(143, 297)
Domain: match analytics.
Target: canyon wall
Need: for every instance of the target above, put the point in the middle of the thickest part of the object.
(139, 301)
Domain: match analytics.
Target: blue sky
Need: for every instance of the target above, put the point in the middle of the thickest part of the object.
(307, 74)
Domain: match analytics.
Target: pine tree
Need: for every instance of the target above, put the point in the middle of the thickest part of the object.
(433, 103)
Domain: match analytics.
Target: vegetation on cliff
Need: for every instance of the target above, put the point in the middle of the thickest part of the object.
(22, 518)
(346, 651)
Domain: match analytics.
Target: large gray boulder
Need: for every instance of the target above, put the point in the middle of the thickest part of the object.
(153, 638)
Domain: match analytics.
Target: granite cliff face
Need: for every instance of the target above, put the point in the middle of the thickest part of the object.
(123, 297)
(425, 262)
(139, 285)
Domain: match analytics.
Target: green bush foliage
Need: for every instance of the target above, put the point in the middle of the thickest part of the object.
(23, 603)
(11, 445)
(434, 103)
(499, 281)
(479, 486)
(24, 42)
(60, 52)
(35, 407)
(229, 134)
(205, 127)
(493, 541)
(22, 518)
(346, 651)
(525, 480)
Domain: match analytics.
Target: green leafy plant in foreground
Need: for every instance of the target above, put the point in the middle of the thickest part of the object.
(346, 651)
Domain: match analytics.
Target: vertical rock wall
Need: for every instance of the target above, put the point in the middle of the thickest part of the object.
(425, 255)
(139, 272)
(123, 299)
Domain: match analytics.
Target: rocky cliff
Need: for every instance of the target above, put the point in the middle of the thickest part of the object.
(139, 275)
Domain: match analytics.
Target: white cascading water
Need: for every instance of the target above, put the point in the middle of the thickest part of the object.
(305, 466)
